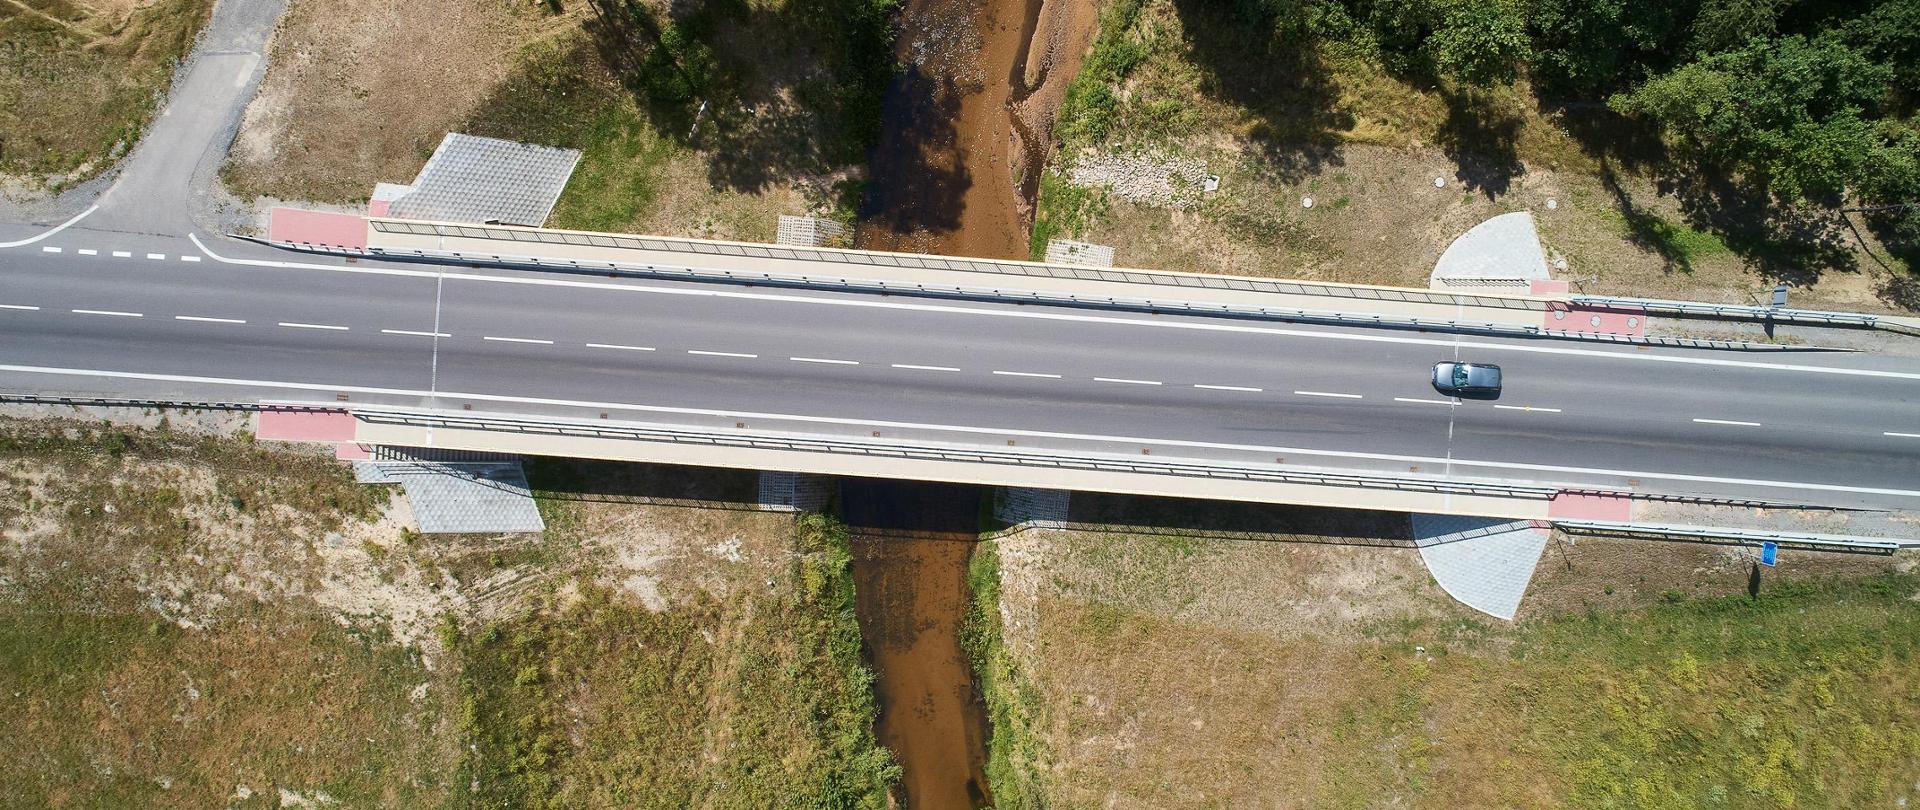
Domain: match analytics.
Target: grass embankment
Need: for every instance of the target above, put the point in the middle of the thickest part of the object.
(708, 123)
(132, 678)
(1202, 686)
(78, 81)
(1283, 117)
(188, 621)
(599, 703)
(1014, 753)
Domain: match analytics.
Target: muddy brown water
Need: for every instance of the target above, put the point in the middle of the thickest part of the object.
(911, 541)
(967, 124)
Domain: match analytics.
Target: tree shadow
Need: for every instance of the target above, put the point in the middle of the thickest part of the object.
(1647, 230)
(1632, 144)
(1780, 243)
(766, 93)
(919, 182)
(1481, 136)
(1279, 77)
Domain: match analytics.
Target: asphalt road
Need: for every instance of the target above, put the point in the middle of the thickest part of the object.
(1833, 429)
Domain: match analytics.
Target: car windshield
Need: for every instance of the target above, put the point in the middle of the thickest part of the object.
(1459, 374)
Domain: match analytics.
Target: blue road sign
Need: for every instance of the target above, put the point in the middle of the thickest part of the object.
(1769, 553)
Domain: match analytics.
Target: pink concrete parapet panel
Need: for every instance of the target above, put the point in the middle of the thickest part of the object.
(332, 427)
(1563, 317)
(1590, 506)
(317, 228)
(378, 208)
(352, 451)
(1544, 286)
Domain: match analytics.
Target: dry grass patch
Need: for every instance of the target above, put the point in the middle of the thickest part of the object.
(1140, 672)
(79, 80)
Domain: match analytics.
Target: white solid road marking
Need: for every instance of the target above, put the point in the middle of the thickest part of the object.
(1527, 408)
(189, 258)
(56, 229)
(1727, 422)
(20, 307)
(1027, 374)
(87, 252)
(122, 254)
(515, 340)
(1062, 316)
(413, 333)
(50, 249)
(721, 354)
(158, 257)
(924, 368)
(1424, 401)
(1327, 394)
(206, 320)
(114, 312)
(1902, 435)
(970, 429)
(1229, 388)
(294, 325)
(824, 360)
(1126, 381)
(618, 346)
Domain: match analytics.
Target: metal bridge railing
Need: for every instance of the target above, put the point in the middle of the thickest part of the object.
(1664, 531)
(925, 452)
(1731, 310)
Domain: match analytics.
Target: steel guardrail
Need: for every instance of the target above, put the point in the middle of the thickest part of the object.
(1667, 531)
(925, 452)
(1741, 311)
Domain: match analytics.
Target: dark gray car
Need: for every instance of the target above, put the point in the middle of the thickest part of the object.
(1459, 379)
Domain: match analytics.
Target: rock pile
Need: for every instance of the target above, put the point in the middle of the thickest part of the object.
(1148, 178)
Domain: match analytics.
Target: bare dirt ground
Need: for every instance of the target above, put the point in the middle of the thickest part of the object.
(360, 91)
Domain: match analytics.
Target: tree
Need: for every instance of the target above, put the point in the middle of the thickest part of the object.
(1584, 47)
(1481, 42)
(1788, 115)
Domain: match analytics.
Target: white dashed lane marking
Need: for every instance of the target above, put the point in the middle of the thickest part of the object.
(123, 254)
(50, 250)
(189, 258)
(412, 333)
(22, 307)
(1727, 422)
(825, 360)
(517, 340)
(158, 257)
(913, 367)
(1327, 394)
(113, 312)
(199, 319)
(1027, 374)
(620, 347)
(1902, 435)
(1527, 408)
(1423, 401)
(87, 252)
(1244, 388)
(1125, 381)
(722, 354)
(295, 325)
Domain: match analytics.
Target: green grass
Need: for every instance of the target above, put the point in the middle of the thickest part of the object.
(1016, 755)
(758, 701)
(77, 89)
(1801, 698)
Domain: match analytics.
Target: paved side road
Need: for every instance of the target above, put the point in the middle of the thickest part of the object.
(167, 182)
